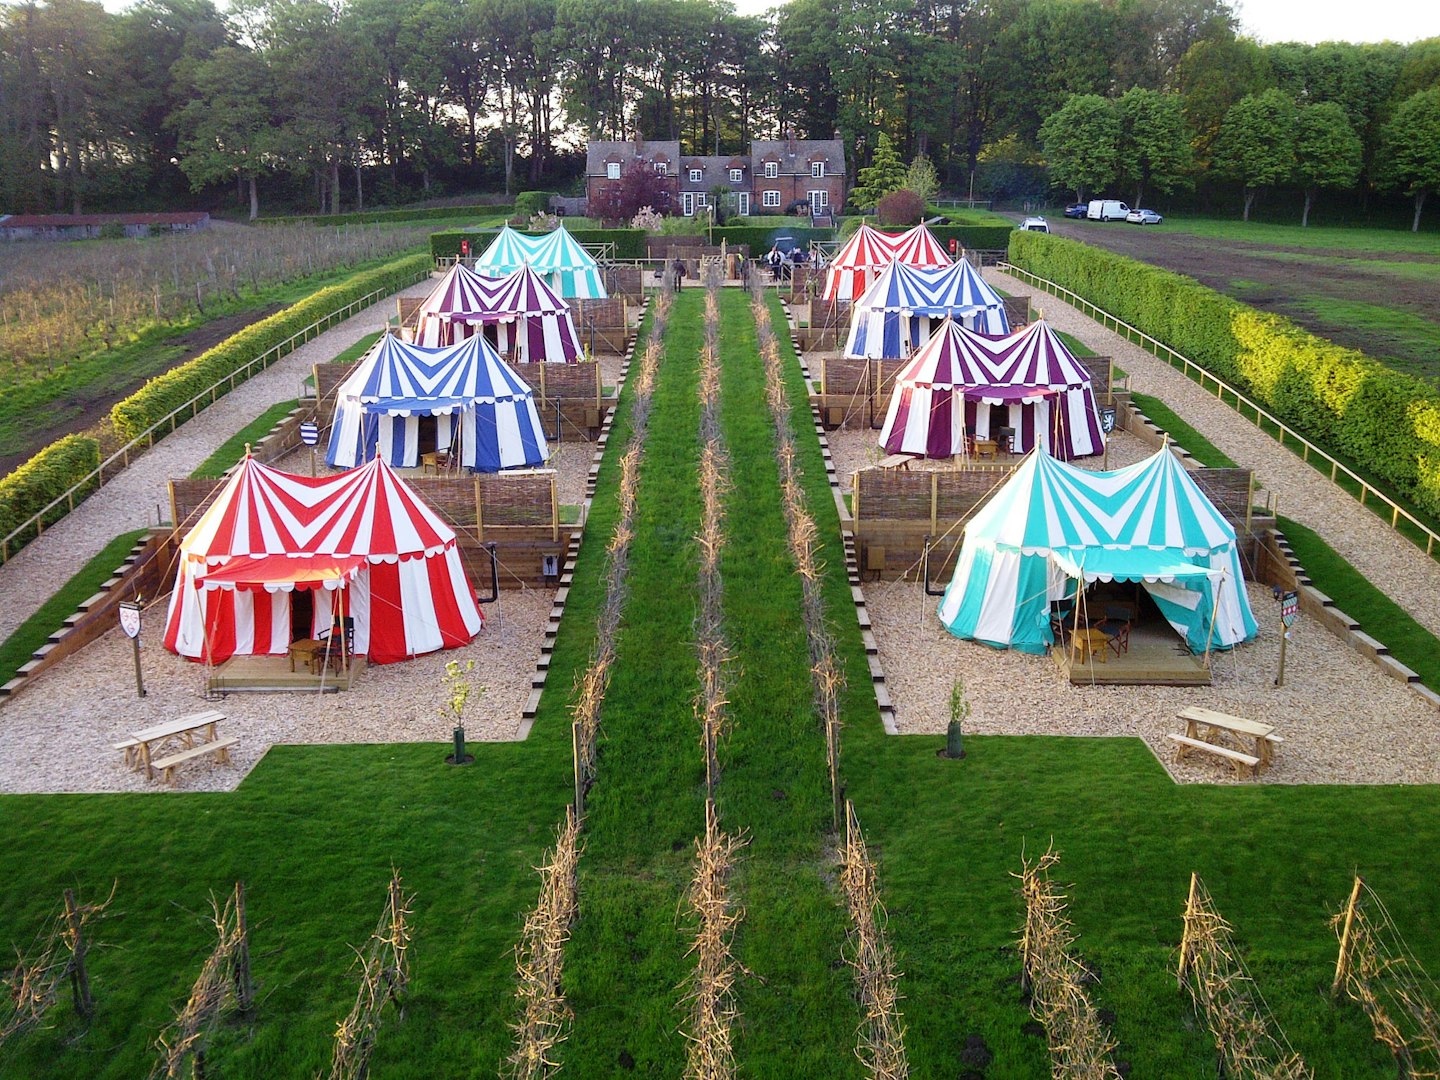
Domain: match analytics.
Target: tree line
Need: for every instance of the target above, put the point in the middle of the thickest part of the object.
(332, 104)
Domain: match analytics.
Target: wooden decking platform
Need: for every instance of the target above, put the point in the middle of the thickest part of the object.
(1157, 657)
(248, 674)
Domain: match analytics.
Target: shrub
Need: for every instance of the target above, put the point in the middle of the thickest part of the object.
(903, 207)
(530, 203)
(646, 218)
(164, 394)
(44, 478)
(1338, 397)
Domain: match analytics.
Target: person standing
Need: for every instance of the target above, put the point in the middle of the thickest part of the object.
(678, 269)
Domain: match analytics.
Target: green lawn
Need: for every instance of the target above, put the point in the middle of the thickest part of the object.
(314, 832)
(33, 632)
(1181, 433)
(234, 447)
(1320, 237)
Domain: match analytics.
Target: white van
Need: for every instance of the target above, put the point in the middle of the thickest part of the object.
(1035, 224)
(1107, 210)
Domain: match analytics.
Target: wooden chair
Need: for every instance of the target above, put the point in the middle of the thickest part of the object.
(1116, 627)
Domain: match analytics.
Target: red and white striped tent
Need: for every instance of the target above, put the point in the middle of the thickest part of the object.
(363, 542)
(858, 263)
(918, 247)
(963, 383)
(521, 316)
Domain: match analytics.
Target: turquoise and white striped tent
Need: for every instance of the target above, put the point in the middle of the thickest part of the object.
(1053, 525)
(556, 256)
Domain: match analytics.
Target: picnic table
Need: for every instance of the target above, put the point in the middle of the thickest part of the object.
(195, 734)
(897, 461)
(1204, 727)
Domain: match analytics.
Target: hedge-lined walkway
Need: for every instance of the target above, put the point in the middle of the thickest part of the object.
(128, 502)
(1388, 560)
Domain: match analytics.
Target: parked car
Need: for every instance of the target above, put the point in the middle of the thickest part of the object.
(1106, 210)
(1143, 217)
(1035, 224)
(1077, 210)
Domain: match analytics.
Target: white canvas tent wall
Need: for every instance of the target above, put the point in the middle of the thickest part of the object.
(1052, 525)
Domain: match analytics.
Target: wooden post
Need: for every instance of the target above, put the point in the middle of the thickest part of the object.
(836, 800)
(934, 503)
(1342, 962)
(1185, 941)
(479, 514)
(579, 771)
(1284, 638)
(244, 986)
(79, 977)
(554, 512)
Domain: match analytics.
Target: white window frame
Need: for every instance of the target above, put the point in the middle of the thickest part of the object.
(772, 170)
(744, 200)
(663, 168)
(687, 203)
(770, 198)
(819, 199)
(612, 170)
(701, 200)
(737, 175)
(817, 170)
(696, 175)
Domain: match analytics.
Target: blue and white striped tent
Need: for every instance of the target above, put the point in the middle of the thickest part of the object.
(906, 304)
(483, 412)
(556, 256)
(1053, 525)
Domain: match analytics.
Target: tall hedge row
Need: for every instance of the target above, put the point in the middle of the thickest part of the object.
(976, 237)
(168, 392)
(629, 243)
(762, 237)
(1354, 406)
(44, 478)
(376, 217)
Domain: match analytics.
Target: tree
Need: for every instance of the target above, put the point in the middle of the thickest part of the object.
(639, 186)
(885, 173)
(1328, 153)
(1412, 143)
(1080, 142)
(225, 131)
(1256, 144)
(922, 179)
(1154, 147)
(1212, 76)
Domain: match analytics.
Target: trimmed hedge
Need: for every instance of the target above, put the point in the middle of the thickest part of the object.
(762, 237)
(629, 243)
(1354, 406)
(165, 393)
(530, 203)
(976, 237)
(378, 217)
(44, 478)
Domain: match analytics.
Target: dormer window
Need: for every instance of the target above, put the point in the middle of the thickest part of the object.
(772, 170)
(736, 175)
(662, 168)
(817, 170)
(612, 170)
(695, 175)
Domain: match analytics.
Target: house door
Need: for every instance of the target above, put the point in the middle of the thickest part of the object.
(818, 201)
(744, 200)
(687, 203)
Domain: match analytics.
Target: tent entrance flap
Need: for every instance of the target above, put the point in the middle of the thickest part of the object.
(1131, 564)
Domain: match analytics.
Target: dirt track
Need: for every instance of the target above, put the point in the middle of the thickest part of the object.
(1277, 278)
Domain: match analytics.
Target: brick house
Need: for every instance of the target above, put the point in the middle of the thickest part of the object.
(772, 178)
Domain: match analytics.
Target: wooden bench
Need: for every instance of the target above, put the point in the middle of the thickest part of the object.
(131, 749)
(1244, 763)
(219, 747)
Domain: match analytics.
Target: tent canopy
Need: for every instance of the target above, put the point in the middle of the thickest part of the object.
(918, 247)
(528, 316)
(556, 256)
(1052, 523)
(480, 403)
(905, 306)
(857, 264)
(365, 532)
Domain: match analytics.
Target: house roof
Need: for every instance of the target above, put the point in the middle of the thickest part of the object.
(598, 153)
(796, 155)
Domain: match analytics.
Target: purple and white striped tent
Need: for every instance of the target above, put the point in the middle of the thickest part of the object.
(905, 305)
(519, 314)
(963, 383)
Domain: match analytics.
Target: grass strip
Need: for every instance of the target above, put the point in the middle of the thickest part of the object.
(1379, 616)
(16, 650)
(1181, 433)
(218, 463)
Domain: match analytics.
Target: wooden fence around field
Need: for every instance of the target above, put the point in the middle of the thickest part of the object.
(1428, 538)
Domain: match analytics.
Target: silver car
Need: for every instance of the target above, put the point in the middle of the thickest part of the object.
(1143, 217)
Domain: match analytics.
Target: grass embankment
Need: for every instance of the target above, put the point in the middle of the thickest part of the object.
(1181, 433)
(35, 631)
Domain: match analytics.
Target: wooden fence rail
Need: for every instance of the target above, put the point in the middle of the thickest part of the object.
(1239, 402)
(109, 469)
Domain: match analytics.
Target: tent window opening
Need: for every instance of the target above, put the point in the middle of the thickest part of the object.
(302, 613)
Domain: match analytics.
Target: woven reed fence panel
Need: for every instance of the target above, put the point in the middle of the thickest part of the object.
(907, 496)
(1017, 310)
(829, 312)
(562, 380)
(605, 314)
(519, 498)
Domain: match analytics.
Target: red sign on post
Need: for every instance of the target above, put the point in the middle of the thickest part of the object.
(953, 245)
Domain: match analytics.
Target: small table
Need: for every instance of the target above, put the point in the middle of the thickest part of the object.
(185, 729)
(1259, 735)
(1088, 644)
(986, 448)
(896, 461)
(307, 650)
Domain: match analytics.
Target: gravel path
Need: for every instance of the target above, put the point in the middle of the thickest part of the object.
(58, 735)
(129, 501)
(1389, 561)
(1343, 722)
